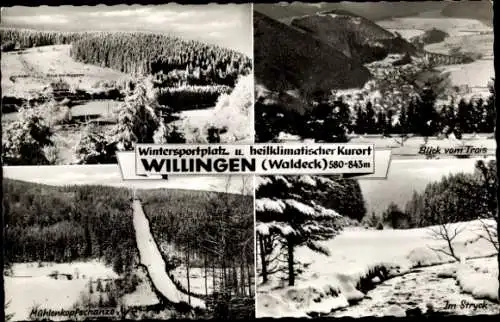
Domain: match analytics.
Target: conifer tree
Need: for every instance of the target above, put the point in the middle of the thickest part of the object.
(463, 117)
(137, 118)
(490, 110)
(360, 120)
(370, 119)
(381, 123)
(291, 208)
(428, 118)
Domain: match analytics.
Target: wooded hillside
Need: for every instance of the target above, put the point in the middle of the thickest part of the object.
(139, 53)
(68, 223)
(178, 60)
(62, 224)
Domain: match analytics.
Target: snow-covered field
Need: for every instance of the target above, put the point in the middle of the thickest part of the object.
(29, 285)
(452, 26)
(477, 75)
(25, 73)
(407, 33)
(355, 253)
(471, 42)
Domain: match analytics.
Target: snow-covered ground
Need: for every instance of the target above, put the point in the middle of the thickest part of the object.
(152, 259)
(465, 36)
(354, 253)
(479, 278)
(143, 294)
(423, 288)
(407, 33)
(476, 75)
(196, 279)
(29, 285)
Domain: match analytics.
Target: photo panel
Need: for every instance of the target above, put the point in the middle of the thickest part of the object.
(81, 83)
(82, 243)
(398, 75)
(422, 242)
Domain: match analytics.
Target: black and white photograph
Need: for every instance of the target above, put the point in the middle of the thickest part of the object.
(395, 74)
(423, 242)
(82, 82)
(79, 238)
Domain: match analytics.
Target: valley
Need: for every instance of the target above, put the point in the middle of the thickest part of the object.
(453, 75)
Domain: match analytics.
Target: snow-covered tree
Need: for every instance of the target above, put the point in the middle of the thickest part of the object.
(290, 208)
(233, 113)
(95, 147)
(137, 118)
(25, 139)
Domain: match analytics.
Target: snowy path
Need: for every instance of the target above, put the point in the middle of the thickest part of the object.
(152, 259)
(417, 289)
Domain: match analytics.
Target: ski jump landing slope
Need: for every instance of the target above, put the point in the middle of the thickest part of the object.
(151, 258)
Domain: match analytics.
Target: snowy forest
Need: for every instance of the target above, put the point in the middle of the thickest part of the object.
(215, 242)
(60, 224)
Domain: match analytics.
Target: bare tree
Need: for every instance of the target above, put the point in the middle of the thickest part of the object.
(445, 232)
(270, 251)
(488, 232)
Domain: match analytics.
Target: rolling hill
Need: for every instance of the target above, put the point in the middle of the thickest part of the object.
(373, 11)
(289, 59)
(356, 37)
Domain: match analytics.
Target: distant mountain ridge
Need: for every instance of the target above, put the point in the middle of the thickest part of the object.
(287, 59)
(373, 11)
(355, 36)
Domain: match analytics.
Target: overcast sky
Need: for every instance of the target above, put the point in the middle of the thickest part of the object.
(109, 175)
(226, 25)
